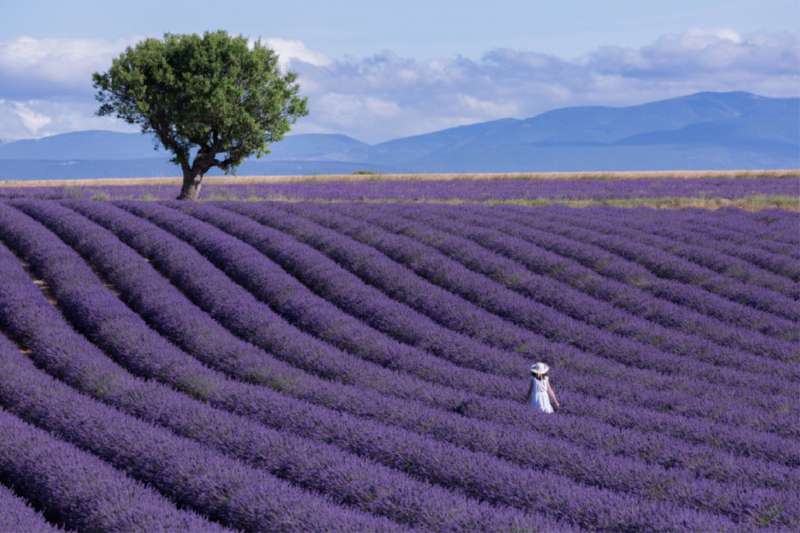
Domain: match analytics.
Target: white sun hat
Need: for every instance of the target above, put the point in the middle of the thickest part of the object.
(539, 368)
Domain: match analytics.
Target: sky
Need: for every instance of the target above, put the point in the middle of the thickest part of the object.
(382, 70)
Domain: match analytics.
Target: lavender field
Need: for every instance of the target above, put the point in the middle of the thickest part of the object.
(496, 190)
(353, 366)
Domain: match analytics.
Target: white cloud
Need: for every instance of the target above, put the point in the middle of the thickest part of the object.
(55, 67)
(386, 96)
(41, 118)
(705, 52)
(30, 119)
(289, 50)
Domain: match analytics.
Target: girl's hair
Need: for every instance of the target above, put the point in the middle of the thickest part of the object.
(540, 377)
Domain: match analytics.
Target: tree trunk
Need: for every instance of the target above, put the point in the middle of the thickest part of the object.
(191, 185)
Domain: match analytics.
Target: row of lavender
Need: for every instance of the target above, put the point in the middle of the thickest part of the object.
(468, 190)
(295, 306)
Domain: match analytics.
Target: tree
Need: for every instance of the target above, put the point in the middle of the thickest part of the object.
(212, 93)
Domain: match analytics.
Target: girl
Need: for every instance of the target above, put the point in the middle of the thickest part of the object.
(540, 384)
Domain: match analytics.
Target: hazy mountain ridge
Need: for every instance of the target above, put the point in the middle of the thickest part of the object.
(703, 131)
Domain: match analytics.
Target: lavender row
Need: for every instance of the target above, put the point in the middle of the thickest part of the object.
(739, 236)
(706, 462)
(702, 249)
(190, 473)
(659, 263)
(223, 251)
(555, 456)
(669, 225)
(476, 473)
(79, 491)
(321, 467)
(616, 268)
(494, 190)
(555, 295)
(700, 222)
(696, 271)
(782, 257)
(439, 304)
(75, 489)
(727, 224)
(571, 262)
(745, 223)
(576, 291)
(16, 514)
(701, 262)
(486, 190)
(771, 224)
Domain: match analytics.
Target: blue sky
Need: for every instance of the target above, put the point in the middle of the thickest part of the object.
(381, 70)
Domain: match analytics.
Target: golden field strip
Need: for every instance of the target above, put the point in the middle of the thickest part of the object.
(248, 180)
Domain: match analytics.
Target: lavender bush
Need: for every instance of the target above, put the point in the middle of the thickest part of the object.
(16, 514)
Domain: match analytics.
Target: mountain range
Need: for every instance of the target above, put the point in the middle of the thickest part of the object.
(703, 131)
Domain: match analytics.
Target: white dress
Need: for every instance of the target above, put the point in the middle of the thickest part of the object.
(540, 398)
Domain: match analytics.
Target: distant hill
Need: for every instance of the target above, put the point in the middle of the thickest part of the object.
(92, 144)
(703, 131)
(111, 145)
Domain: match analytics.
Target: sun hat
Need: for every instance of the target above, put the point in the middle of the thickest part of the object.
(539, 368)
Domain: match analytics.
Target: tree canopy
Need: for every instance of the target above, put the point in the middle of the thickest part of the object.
(214, 93)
